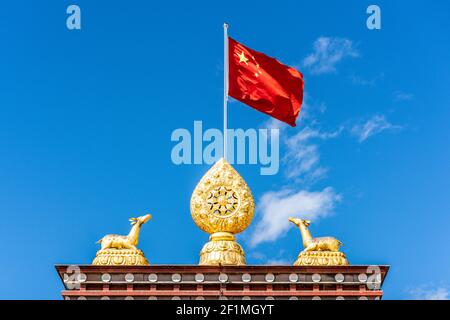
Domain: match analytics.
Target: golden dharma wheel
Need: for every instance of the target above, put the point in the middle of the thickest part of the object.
(222, 201)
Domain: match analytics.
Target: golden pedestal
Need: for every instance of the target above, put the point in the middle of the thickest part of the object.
(120, 257)
(222, 249)
(321, 258)
(222, 205)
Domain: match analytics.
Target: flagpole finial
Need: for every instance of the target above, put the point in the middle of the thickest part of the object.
(225, 25)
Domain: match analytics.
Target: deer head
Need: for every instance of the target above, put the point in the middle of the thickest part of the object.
(140, 220)
(298, 222)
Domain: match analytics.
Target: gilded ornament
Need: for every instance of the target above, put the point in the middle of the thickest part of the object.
(222, 205)
(322, 251)
(117, 250)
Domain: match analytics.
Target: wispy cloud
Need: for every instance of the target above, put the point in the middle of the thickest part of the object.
(360, 81)
(431, 294)
(278, 262)
(374, 125)
(302, 156)
(310, 109)
(327, 53)
(277, 207)
(278, 258)
(402, 96)
(301, 168)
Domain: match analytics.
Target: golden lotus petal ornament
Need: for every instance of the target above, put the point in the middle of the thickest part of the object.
(222, 205)
(116, 257)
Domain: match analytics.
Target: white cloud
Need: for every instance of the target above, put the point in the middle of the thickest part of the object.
(273, 123)
(280, 258)
(302, 157)
(374, 125)
(403, 96)
(328, 52)
(360, 81)
(278, 262)
(431, 294)
(310, 109)
(276, 207)
(301, 165)
(257, 255)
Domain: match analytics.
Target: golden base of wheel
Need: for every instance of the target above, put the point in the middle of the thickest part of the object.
(223, 250)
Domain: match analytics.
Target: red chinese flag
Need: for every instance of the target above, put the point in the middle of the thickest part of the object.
(264, 83)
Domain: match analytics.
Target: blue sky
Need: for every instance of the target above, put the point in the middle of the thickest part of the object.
(86, 118)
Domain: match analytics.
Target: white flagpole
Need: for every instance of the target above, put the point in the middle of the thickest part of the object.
(225, 87)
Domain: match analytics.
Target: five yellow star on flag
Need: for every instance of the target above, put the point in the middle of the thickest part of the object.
(242, 58)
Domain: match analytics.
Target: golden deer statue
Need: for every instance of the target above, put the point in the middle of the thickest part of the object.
(125, 242)
(318, 251)
(122, 250)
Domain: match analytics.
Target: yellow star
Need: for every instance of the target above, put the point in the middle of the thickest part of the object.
(242, 58)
